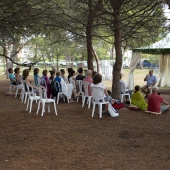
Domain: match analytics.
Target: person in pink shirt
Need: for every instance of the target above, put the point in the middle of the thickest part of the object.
(88, 79)
(154, 102)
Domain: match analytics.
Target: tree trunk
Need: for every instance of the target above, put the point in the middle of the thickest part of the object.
(112, 52)
(14, 53)
(97, 60)
(118, 51)
(89, 36)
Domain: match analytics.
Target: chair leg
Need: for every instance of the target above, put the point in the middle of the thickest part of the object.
(94, 105)
(38, 107)
(27, 105)
(82, 95)
(64, 98)
(30, 105)
(55, 108)
(25, 98)
(43, 108)
(100, 110)
(48, 107)
(77, 99)
(121, 98)
(89, 99)
(22, 98)
(84, 98)
(16, 93)
(58, 98)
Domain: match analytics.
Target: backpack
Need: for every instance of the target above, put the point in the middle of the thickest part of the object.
(53, 89)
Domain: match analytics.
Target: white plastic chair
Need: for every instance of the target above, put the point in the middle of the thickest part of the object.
(12, 87)
(44, 100)
(86, 94)
(43, 83)
(31, 97)
(73, 83)
(24, 92)
(123, 92)
(80, 87)
(98, 98)
(60, 93)
(18, 87)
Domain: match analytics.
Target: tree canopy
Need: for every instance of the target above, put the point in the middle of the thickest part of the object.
(80, 25)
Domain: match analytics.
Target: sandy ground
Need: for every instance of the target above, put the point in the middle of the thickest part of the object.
(73, 140)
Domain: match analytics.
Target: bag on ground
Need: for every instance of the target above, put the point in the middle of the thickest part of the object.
(112, 111)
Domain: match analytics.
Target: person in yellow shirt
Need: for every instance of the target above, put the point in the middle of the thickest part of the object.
(137, 99)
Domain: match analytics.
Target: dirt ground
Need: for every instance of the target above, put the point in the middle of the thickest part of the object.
(73, 140)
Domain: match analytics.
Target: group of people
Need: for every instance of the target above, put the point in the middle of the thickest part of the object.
(155, 100)
(68, 86)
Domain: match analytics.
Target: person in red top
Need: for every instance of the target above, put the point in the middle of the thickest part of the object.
(89, 80)
(154, 102)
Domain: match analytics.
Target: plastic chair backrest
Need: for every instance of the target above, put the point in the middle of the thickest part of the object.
(24, 85)
(57, 85)
(72, 82)
(86, 88)
(42, 92)
(121, 87)
(98, 94)
(30, 90)
(79, 83)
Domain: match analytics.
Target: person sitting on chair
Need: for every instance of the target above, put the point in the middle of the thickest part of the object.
(63, 75)
(25, 76)
(47, 82)
(137, 99)
(154, 101)
(67, 89)
(12, 76)
(97, 82)
(17, 75)
(36, 76)
(151, 81)
(52, 76)
(89, 80)
(80, 76)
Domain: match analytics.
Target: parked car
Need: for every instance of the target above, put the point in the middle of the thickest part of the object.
(82, 62)
(64, 63)
(146, 63)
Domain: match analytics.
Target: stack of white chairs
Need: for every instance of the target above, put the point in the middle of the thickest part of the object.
(86, 86)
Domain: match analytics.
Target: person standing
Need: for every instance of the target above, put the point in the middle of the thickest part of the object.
(154, 102)
(151, 81)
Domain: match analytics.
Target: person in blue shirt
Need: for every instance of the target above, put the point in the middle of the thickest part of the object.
(151, 80)
(11, 76)
(36, 76)
(58, 79)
